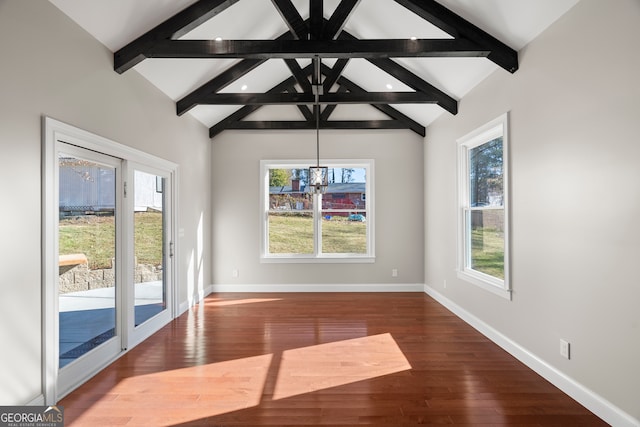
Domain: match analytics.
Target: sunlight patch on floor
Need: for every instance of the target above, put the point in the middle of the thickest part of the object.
(309, 369)
(224, 387)
(204, 390)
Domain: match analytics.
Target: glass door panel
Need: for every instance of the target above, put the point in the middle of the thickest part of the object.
(87, 252)
(149, 224)
(107, 258)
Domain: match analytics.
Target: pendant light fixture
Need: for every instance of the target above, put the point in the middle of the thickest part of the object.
(318, 175)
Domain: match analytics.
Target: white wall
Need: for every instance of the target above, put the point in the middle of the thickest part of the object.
(399, 207)
(49, 66)
(575, 217)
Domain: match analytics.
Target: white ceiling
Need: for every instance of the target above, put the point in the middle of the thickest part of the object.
(115, 23)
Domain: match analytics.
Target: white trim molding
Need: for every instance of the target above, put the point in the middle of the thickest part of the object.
(186, 305)
(318, 287)
(586, 397)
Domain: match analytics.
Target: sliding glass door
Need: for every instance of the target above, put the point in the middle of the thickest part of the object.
(107, 253)
(89, 279)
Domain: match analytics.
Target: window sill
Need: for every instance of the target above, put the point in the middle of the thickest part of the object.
(478, 280)
(318, 260)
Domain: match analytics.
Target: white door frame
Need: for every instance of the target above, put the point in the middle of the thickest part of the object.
(136, 335)
(55, 133)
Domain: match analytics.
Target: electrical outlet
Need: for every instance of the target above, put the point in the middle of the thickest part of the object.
(394, 272)
(235, 272)
(565, 349)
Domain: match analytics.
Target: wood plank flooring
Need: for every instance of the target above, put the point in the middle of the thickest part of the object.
(384, 359)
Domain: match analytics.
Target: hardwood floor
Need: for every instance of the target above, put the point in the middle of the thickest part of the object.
(381, 359)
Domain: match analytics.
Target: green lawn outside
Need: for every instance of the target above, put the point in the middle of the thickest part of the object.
(94, 236)
(293, 234)
(341, 236)
(487, 251)
(148, 237)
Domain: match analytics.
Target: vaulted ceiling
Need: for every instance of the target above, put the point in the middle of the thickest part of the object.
(298, 64)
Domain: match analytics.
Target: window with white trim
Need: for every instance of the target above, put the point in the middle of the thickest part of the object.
(299, 225)
(483, 245)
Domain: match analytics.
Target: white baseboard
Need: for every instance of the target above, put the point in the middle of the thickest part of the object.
(370, 287)
(205, 292)
(186, 305)
(586, 397)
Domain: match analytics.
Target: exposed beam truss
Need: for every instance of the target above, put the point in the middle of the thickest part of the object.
(396, 115)
(460, 28)
(339, 18)
(292, 49)
(333, 124)
(292, 18)
(315, 38)
(173, 28)
(346, 87)
(309, 98)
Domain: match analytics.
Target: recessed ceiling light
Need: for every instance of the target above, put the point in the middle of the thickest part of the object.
(218, 39)
(244, 87)
(414, 38)
(389, 86)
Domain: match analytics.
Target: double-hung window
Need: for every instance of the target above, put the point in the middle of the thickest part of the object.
(300, 225)
(483, 243)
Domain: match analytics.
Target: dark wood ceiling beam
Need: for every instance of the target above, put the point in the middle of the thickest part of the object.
(304, 109)
(316, 19)
(328, 110)
(292, 18)
(329, 124)
(221, 81)
(386, 109)
(299, 75)
(316, 38)
(346, 85)
(267, 49)
(455, 25)
(332, 74)
(173, 28)
(336, 23)
(414, 82)
(397, 71)
(231, 121)
(316, 84)
(309, 98)
(316, 73)
(248, 109)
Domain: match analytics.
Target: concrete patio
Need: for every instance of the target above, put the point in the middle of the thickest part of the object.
(87, 318)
